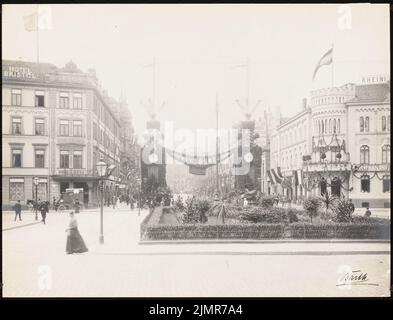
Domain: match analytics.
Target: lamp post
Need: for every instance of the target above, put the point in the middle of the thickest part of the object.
(101, 169)
(36, 181)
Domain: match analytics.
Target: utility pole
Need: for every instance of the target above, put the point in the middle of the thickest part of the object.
(217, 146)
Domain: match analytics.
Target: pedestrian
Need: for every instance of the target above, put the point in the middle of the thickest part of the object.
(76, 205)
(18, 210)
(352, 207)
(42, 209)
(54, 203)
(367, 213)
(75, 243)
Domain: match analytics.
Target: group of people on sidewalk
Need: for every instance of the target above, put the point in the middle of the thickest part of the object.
(74, 243)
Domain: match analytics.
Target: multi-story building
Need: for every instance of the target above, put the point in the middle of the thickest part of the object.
(339, 143)
(56, 125)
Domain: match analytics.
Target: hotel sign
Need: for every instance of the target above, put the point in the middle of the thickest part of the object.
(18, 72)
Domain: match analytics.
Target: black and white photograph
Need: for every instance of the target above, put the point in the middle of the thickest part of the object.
(196, 151)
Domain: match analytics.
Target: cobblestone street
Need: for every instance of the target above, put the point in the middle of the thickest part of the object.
(35, 263)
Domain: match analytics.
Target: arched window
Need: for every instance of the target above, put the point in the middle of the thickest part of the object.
(383, 123)
(361, 124)
(364, 154)
(330, 125)
(388, 124)
(386, 153)
(338, 125)
(322, 130)
(367, 124)
(365, 183)
(334, 126)
(326, 126)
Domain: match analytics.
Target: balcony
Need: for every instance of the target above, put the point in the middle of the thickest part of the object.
(83, 174)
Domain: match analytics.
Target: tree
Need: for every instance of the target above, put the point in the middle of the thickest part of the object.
(312, 205)
(328, 201)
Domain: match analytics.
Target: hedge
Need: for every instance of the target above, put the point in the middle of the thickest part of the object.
(266, 231)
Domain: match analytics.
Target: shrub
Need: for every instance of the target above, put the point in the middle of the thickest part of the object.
(292, 216)
(257, 214)
(195, 211)
(343, 211)
(311, 205)
(266, 202)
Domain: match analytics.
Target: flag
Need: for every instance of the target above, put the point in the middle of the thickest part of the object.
(278, 180)
(326, 59)
(279, 172)
(270, 176)
(41, 19)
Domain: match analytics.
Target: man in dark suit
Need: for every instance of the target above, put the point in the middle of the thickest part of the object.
(43, 209)
(18, 210)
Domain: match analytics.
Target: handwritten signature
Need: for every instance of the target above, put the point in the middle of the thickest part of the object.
(355, 277)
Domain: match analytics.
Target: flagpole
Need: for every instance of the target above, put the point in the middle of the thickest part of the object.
(332, 65)
(38, 41)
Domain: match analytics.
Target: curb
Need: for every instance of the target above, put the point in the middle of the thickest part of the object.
(24, 225)
(153, 242)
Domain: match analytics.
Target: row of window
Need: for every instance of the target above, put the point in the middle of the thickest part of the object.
(365, 183)
(365, 154)
(364, 124)
(39, 158)
(17, 189)
(64, 99)
(328, 126)
(329, 100)
(102, 137)
(39, 126)
(70, 128)
(104, 115)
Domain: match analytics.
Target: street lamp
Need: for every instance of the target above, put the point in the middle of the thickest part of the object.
(101, 169)
(36, 180)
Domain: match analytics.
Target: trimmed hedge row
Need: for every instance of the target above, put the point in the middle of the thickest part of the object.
(266, 231)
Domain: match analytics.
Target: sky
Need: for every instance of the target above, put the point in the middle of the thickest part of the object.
(201, 53)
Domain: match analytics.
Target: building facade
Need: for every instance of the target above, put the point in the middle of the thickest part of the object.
(339, 143)
(56, 125)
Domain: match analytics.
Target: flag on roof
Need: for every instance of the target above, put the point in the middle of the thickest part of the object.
(326, 59)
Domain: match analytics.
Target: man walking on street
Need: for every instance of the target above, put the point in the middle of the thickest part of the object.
(43, 209)
(18, 209)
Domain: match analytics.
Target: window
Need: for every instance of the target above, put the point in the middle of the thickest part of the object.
(365, 183)
(388, 124)
(64, 159)
(338, 125)
(383, 123)
(16, 97)
(95, 132)
(39, 127)
(386, 153)
(64, 128)
(77, 159)
(16, 158)
(386, 183)
(326, 126)
(77, 103)
(322, 129)
(77, 128)
(39, 158)
(16, 125)
(40, 99)
(17, 189)
(367, 124)
(334, 126)
(361, 124)
(64, 101)
(330, 125)
(364, 154)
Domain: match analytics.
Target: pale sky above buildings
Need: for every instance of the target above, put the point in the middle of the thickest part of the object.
(197, 49)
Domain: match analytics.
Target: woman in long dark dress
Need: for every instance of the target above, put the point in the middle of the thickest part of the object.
(75, 243)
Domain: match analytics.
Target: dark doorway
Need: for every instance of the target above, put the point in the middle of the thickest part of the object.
(336, 187)
(323, 186)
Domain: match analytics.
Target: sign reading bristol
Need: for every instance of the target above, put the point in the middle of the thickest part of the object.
(18, 72)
